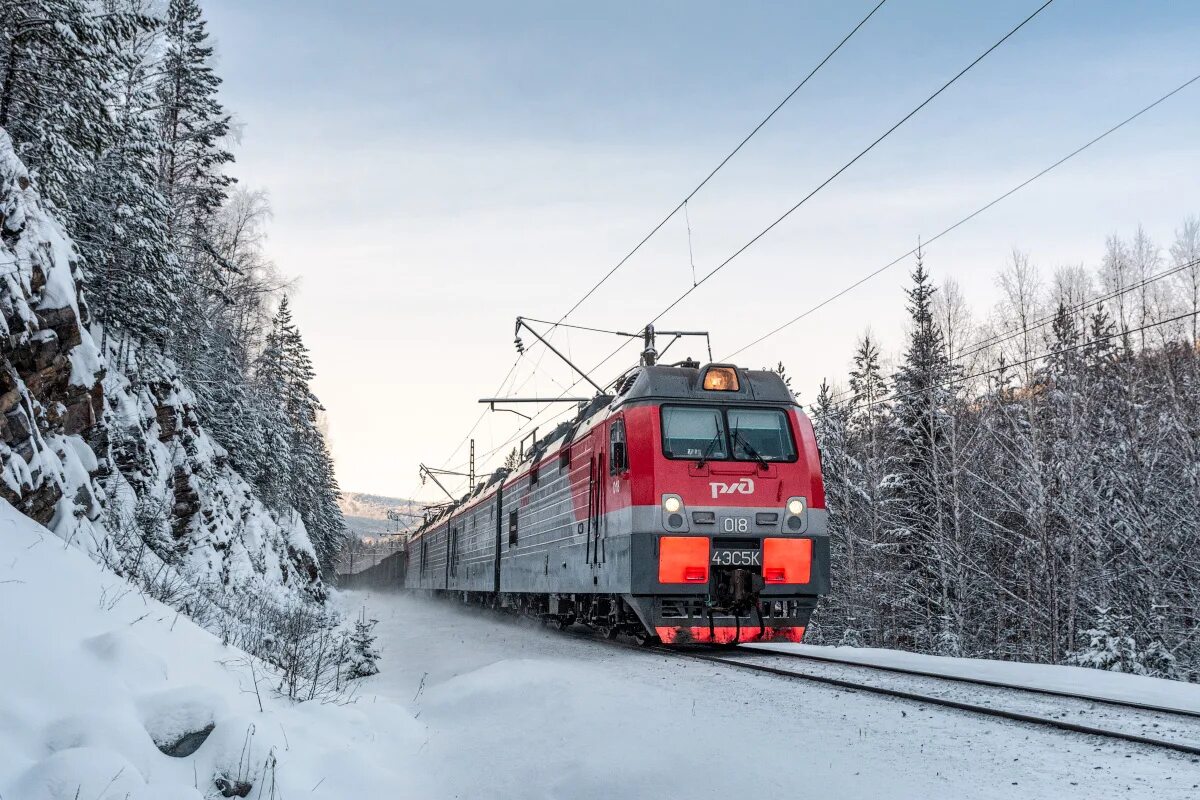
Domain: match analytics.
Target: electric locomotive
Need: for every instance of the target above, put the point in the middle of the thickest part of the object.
(686, 505)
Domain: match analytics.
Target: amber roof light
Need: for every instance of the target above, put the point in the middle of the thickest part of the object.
(721, 379)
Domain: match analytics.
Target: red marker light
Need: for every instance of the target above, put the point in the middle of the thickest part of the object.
(787, 560)
(683, 559)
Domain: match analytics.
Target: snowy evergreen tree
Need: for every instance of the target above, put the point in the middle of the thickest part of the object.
(867, 427)
(54, 79)
(916, 485)
(193, 125)
(306, 482)
(841, 609)
(1108, 647)
(990, 511)
(781, 371)
(138, 280)
(114, 105)
(363, 654)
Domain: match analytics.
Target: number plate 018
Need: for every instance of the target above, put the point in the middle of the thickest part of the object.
(737, 558)
(735, 524)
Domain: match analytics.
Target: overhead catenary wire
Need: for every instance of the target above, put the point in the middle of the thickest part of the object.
(841, 170)
(982, 209)
(1009, 334)
(682, 203)
(1011, 365)
(853, 160)
(478, 420)
(687, 219)
(529, 424)
(1042, 322)
(575, 327)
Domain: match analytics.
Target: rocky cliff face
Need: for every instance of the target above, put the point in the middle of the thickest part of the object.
(108, 452)
(50, 377)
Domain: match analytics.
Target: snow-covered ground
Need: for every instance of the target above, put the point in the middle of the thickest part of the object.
(92, 675)
(474, 705)
(515, 711)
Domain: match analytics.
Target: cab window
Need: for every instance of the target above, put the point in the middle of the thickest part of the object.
(760, 433)
(618, 455)
(693, 432)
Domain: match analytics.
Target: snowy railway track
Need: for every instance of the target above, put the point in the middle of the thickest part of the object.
(1174, 729)
(1111, 701)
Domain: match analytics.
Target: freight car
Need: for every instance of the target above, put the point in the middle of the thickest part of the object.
(686, 505)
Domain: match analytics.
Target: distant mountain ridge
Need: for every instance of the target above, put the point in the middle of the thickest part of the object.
(375, 506)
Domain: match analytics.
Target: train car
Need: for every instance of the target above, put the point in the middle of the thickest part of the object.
(686, 506)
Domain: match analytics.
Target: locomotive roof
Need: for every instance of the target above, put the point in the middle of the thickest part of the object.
(686, 383)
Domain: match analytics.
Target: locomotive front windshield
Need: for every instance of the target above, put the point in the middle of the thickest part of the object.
(694, 433)
(760, 434)
(706, 433)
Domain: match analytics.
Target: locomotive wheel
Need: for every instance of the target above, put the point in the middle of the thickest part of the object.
(645, 638)
(562, 623)
(608, 631)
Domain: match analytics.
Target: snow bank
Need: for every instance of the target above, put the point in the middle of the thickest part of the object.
(97, 680)
(1080, 680)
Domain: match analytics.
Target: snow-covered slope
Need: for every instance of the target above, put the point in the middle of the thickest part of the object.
(95, 677)
(105, 449)
(203, 517)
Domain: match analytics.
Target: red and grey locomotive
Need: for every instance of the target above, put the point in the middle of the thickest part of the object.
(686, 505)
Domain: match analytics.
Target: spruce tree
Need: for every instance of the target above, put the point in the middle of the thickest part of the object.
(192, 126)
(867, 435)
(363, 655)
(917, 496)
(840, 612)
(137, 280)
(55, 71)
(308, 484)
(191, 177)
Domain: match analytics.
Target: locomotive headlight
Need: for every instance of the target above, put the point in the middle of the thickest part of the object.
(796, 518)
(673, 518)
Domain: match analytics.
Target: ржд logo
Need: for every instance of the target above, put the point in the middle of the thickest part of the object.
(744, 486)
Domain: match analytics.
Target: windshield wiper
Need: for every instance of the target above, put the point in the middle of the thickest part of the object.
(749, 448)
(708, 448)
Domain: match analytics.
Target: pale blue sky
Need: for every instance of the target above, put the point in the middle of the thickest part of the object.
(439, 168)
